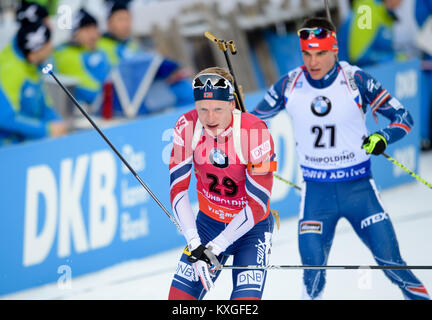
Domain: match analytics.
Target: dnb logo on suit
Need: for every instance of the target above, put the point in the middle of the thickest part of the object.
(321, 106)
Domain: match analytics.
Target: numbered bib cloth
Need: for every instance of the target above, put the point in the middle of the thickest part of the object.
(329, 128)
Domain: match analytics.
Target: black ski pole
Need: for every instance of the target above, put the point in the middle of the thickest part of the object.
(224, 46)
(48, 70)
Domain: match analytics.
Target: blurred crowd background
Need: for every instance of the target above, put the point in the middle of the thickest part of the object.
(130, 58)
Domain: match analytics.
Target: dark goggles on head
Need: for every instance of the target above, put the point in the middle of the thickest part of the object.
(211, 86)
(212, 79)
(319, 33)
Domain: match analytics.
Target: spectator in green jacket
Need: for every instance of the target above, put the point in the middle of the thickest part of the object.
(366, 37)
(117, 42)
(80, 59)
(26, 113)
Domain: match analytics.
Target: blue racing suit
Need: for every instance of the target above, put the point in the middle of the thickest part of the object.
(348, 189)
(251, 249)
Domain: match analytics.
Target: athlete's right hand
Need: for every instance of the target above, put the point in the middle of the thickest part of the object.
(375, 144)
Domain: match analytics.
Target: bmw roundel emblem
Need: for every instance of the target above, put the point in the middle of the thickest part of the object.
(321, 106)
(218, 158)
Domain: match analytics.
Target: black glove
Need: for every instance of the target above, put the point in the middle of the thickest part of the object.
(375, 144)
(201, 253)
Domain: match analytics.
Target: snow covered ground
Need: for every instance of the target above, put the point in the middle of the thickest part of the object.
(409, 206)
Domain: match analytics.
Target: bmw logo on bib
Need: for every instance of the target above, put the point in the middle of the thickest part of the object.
(218, 158)
(321, 106)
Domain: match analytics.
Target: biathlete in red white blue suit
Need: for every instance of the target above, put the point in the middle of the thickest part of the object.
(328, 101)
(232, 156)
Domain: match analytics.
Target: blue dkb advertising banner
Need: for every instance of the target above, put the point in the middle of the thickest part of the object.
(70, 203)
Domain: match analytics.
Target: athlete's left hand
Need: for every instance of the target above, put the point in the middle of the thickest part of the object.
(206, 255)
(205, 264)
(375, 144)
(202, 271)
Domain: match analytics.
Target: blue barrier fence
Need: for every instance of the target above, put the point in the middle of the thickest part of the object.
(70, 202)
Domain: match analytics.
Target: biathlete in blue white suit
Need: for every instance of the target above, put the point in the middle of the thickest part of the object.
(327, 101)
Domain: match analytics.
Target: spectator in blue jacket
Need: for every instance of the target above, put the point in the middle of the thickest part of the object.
(26, 113)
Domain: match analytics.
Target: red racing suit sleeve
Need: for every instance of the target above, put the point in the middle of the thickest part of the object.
(180, 167)
(259, 172)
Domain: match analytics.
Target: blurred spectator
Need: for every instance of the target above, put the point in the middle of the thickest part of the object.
(31, 12)
(117, 42)
(423, 14)
(134, 67)
(50, 6)
(25, 113)
(80, 59)
(366, 36)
